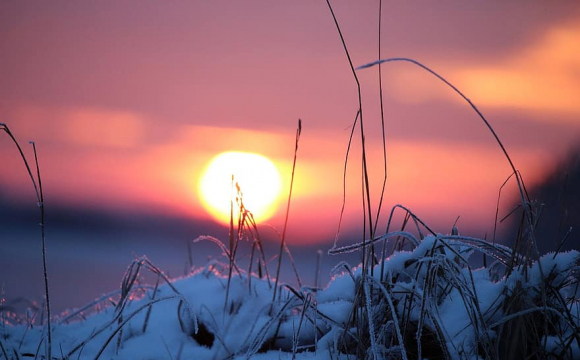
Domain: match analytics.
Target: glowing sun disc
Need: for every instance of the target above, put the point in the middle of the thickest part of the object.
(257, 176)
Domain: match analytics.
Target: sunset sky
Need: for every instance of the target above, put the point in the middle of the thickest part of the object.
(127, 102)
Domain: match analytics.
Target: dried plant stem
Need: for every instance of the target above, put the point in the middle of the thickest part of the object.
(94, 303)
(524, 199)
(497, 206)
(148, 314)
(380, 74)
(344, 179)
(40, 201)
(362, 134)
(3, 350)
(232, 245)
(283, 238)
(46, 292)
(317, 270)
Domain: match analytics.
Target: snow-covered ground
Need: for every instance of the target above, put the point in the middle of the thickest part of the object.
(427, 298)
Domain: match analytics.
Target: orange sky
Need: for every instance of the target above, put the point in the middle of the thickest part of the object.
(128, 101)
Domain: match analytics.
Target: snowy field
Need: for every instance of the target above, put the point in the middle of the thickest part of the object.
(422, 302)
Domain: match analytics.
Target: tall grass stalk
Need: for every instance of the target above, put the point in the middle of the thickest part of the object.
(497, 206)
(234, 237)
(317, 269)
(232, 245)
(40, 202)
(362, 134)
(341, 214)
(283, 239)
(380, 75)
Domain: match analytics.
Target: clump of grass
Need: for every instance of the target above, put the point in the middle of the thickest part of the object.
(246, 228)
(187, 319)
(538, 312)
(283, 238)
(517, 260)
(406, 309)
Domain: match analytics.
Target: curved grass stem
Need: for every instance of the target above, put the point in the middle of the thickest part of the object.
(40, 202)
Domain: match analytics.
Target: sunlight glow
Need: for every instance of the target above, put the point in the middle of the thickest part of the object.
(258, 179)
(542, 77)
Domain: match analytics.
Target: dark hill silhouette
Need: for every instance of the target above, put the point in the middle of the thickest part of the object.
(558, 198)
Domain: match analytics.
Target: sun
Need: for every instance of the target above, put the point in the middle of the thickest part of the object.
(258, 179)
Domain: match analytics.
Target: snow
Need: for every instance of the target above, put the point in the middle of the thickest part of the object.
(189, 319)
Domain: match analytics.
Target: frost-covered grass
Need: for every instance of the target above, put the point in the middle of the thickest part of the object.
(415, 295)
(422, 301)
